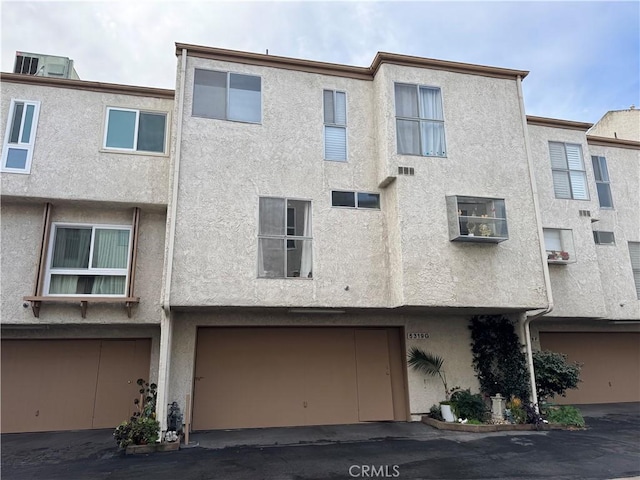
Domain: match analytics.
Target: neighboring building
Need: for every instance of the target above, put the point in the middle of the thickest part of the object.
(44, 66)
(278, 237)
(588, 187)
(83, 226)
(620, 124)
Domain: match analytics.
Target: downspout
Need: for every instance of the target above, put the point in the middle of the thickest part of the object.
(174, 194)
(532, 315)
(166, 321)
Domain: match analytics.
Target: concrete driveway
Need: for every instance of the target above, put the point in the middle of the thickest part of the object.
(609, 448)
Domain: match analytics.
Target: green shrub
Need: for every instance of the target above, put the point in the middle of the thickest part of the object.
(566, 415)
(468, 405)
(142, 428)
(554, 375)
(434, 412)
(498, 359)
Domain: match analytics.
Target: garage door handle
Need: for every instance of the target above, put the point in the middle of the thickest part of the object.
(304, 404)
(197, 379)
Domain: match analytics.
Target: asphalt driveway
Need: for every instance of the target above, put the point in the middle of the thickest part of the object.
(609, 448)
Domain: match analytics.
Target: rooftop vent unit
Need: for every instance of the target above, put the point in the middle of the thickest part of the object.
(44, 65)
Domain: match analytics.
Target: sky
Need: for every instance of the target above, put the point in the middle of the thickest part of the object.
(583, 57)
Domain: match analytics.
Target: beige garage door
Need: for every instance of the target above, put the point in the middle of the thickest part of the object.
(611, 371)
(70, 384)
(266, 377)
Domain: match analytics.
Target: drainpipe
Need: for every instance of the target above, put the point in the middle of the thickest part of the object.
(528, 317)
(166, 321)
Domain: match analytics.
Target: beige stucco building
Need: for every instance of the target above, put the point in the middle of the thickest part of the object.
(269, 240)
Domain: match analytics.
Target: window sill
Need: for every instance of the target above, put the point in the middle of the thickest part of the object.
(134, 152)
(19, 172)
(82, 300)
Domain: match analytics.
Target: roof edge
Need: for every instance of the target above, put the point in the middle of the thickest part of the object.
(337, 69)
(458, 67)
(88, 85)
(613, 142)
(556, 122)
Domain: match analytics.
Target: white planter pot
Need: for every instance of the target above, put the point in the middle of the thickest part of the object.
(447, 413)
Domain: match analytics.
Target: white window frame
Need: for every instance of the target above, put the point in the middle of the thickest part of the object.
(602, 161)
(634, 254)
(421, 119)
(568, 171)
(336, 125)
(28, 146)
(90, 271)
(355, 200)
(135, 131)
(286, 237)
(566, 253)
(227, 94)
(598, 241)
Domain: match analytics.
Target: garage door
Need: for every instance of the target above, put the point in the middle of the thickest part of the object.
(70, 384)
(611, 371)
(266, 377)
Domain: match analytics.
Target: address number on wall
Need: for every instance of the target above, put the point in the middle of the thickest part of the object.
(417, 336)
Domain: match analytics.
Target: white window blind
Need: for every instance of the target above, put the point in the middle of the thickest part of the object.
(569, 177)
(335, 125)
(552, 239)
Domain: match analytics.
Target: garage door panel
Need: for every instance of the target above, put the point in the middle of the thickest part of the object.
(331, 393)
(260, 377)
(54, 381)
(122, 362)
(611, 364)
(245, 378)
(51, 384)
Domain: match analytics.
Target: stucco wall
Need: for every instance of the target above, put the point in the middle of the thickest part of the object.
(21, 232)
(623, 220)
(226, 166)
(68, 159)
(577, 287)
(449, 337)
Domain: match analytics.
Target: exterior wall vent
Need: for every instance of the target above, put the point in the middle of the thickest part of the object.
(406, 171)
(584, 213)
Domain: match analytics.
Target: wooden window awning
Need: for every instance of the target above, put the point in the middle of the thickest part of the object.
(82, 301)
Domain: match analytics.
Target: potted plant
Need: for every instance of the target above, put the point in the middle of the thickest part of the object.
(140, 433)
(431, 366)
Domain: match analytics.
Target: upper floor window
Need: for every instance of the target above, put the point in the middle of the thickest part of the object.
(604, 238)
(569, 177)
(419, 120)
(634, 252)
(602, 181)
(335, 125)
(284, 238)
(558, 242)
(477, 219)
(88, 260)
(227, 96)
(135, 130)
(355, 199)
(20, 136)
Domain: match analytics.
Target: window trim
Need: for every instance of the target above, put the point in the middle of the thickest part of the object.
(569, 170)
(285, 237)
(336, 125)
(635, 269)
(567, 245)
(134, 150)
(30, 146)
(420, 119)
(596, 238)
(226, 113)
(599, 158)
(355, 200)
(49, 271)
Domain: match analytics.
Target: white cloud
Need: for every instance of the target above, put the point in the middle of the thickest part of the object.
(584, 57)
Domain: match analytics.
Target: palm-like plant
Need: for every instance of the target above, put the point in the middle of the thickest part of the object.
(428, 364)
